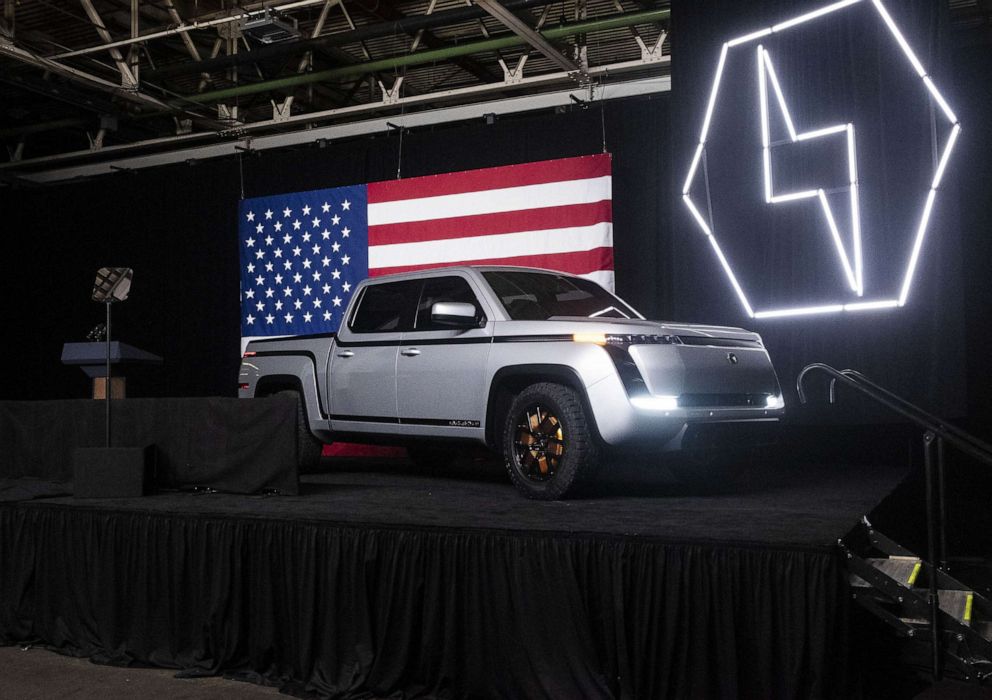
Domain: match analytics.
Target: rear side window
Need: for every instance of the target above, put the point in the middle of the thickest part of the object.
(386, 307)
(444, 289)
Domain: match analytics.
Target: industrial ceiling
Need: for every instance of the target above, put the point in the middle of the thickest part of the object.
(92, 85)
(90, 82)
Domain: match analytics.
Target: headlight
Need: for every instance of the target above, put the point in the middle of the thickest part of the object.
(775, 401)
(655, 403)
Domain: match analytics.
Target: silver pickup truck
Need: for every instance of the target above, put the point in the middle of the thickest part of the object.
(544, 367)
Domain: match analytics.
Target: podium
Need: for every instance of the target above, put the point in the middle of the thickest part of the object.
(92, 359)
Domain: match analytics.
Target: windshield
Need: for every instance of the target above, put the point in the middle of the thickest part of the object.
(538, 296)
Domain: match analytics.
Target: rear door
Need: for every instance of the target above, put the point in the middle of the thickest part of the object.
(363, 367)
(441, 370)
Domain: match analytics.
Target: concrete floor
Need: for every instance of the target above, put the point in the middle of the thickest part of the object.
(39, 674)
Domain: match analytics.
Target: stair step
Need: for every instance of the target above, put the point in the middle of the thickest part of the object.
(903, 570)
(957, 604)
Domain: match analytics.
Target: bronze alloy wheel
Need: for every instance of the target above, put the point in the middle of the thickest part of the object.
(547, 441)
(539, 445)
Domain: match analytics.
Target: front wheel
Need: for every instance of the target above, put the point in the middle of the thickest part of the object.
(547, 442)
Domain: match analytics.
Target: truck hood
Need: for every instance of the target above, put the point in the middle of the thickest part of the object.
(637, 326)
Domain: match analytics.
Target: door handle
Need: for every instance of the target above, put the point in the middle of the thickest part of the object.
(346, 353)
(410, 352)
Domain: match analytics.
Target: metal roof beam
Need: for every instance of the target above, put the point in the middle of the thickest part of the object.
(407, 25)
(128, 78)
(535, 39)
(432, 56)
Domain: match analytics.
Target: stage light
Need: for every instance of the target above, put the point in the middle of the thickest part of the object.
(917, 245)
(800, 311)
(763, 56)
(750, 37)
(814, 14)
(872, 305)
(730, 274)
(697, 156)
(948, 112)
(655, 403)
(817, 133)
(699, 217)
(793, 196)
(828, 213)
(713, 94)
(939, 175)
(853, 270)
(900, 39)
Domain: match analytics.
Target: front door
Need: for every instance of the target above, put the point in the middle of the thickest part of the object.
(440, 370)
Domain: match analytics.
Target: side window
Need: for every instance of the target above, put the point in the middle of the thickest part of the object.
(444, 289)
(386, 307)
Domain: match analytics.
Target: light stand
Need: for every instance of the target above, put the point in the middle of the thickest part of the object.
(112, 284)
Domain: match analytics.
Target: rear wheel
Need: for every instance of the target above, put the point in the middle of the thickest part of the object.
(547, 442)
(308, 447)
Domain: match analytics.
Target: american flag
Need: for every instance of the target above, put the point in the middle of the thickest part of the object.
(303, 254)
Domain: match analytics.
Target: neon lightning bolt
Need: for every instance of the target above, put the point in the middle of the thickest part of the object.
(766, 74)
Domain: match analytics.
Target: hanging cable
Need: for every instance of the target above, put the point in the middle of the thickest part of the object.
(602, 111)
(399, 155)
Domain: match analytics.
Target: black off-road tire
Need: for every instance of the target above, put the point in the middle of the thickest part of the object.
(308, 447)
(547, 442)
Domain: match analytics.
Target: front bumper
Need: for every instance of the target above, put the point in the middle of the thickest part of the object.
(619, 420)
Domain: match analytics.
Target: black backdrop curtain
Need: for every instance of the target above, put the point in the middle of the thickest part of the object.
(359, 612)
(176, 226)
(841, 68)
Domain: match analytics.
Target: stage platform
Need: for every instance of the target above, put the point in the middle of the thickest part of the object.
(379, 580)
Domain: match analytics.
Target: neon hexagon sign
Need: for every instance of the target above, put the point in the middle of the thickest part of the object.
(849, 255)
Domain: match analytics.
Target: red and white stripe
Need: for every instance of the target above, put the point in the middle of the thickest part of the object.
(554, 214)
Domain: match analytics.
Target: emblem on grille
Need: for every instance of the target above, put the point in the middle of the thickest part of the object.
(731, 358)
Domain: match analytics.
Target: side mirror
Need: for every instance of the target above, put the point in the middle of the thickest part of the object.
(455, 314)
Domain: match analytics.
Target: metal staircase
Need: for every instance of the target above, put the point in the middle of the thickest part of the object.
(894, 584)
(916, 596)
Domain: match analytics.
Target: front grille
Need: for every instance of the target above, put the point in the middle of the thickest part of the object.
(722, 400)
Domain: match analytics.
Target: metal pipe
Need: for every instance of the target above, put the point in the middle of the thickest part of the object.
(942, 503)
(179, 30)
(432, 56)
(933, 598)
(186, 147)
(41, 127)
(407, 25)
(81, 76)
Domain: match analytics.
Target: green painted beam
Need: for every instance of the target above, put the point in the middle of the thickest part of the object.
(423, 57)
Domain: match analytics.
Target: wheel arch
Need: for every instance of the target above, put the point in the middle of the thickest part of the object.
(509, 381)
(272, 384)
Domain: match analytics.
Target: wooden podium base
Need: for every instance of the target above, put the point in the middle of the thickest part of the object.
(117, 387)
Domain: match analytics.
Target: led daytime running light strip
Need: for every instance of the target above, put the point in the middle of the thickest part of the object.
(855, 274)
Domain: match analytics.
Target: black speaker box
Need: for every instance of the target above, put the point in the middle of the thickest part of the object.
(113, 472)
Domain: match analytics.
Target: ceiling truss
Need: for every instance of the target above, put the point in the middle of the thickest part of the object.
(97, 80)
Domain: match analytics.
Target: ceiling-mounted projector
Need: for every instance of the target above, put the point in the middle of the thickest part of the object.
(269, 28)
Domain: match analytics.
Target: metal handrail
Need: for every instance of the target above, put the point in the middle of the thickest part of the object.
(936, 433)
(964, 441)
